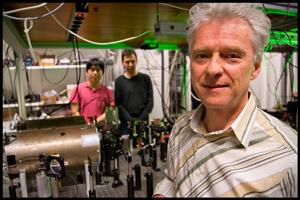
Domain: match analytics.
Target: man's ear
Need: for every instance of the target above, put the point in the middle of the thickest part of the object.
(256, 70)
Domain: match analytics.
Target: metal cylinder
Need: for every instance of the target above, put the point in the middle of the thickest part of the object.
(75, 144)
(43, 184)
(130, 188)
(54, 187)
(149, 177)
(12, 191)
(138, 179)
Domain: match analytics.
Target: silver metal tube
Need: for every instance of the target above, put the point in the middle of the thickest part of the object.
(74, 144)
(20, 89)
(23, 184)
(91, 182)
(54, 187)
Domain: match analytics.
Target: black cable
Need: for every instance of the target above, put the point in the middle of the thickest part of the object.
(280, 47)
(286, 60)
(164, 104)
(26, 157)
(72, 98)
(74, 182)
(29, 88)
(46, 76)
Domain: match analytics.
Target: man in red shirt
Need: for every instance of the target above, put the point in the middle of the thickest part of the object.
(91, 97)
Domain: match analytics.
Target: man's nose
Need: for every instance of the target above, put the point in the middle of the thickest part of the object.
(215, 66)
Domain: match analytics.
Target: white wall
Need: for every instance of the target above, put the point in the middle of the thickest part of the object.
(264, 86)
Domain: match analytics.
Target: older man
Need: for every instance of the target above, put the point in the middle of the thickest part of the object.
(228, 147)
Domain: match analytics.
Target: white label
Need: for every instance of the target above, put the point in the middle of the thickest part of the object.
(90, 140)
(48, 60)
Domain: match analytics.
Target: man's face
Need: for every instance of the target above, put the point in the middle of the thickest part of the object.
(130, 62)
(94, 74)
(222, 63)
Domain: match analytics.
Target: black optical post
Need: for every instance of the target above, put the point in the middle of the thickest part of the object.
(130, 186)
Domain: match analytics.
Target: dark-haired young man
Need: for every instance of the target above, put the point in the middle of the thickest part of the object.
(133, 92)
(92, 97)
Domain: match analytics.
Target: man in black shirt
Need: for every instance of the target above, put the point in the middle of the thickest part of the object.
(133, 92)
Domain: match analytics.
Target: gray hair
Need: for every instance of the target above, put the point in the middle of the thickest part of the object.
(258, 21)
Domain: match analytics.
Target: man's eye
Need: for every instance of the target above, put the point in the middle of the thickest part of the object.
(201, 56)
(232, 56)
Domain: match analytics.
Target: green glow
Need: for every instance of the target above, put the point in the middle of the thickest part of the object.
(168, 47)
(273, 41)
(152, 45)
(293, 30)
(149, 41)
(268, 48)
(289, 37)
(92, 46)
(80, 44)
(281, 12)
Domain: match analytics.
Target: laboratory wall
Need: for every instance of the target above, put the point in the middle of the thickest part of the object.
(277, 81)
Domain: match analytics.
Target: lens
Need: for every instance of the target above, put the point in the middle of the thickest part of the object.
(55, 166)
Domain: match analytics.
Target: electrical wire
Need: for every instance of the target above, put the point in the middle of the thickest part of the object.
(33, 18)
(48, 114)
(131, 38)
(280, 79)
(74, 182)
(283, 41)
(26, 30)
(274, 17)
(46, 76)
(23, 9)
(166, 4)
(151, 75)
(269, 47)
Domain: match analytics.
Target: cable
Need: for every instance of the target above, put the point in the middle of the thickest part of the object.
(269, 47)
(33, 18)
(155, 83)
(28, 38)
(283, 41)
(280, 79)
(26, 8)
(131, 38)
(26, 157)
(46, 76)
(165, 4)
(274, 17)
(74, 182)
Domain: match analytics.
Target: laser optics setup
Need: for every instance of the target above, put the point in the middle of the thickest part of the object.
(51, 152)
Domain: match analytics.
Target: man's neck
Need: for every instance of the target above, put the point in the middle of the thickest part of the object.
(219, 119)
(130, 74)
(93, 85)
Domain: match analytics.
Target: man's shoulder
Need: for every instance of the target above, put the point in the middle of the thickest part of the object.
(278, 129)
(145, 77)
(120, 78)
(184, 118)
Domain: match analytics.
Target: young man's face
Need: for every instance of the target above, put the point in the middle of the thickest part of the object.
(94, 74)
(222, 63)
(130, 62)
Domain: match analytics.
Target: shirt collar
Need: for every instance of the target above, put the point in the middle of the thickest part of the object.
(87, 85)
(241, 127)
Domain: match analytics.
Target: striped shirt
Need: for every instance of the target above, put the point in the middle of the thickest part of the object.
(255, 157)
